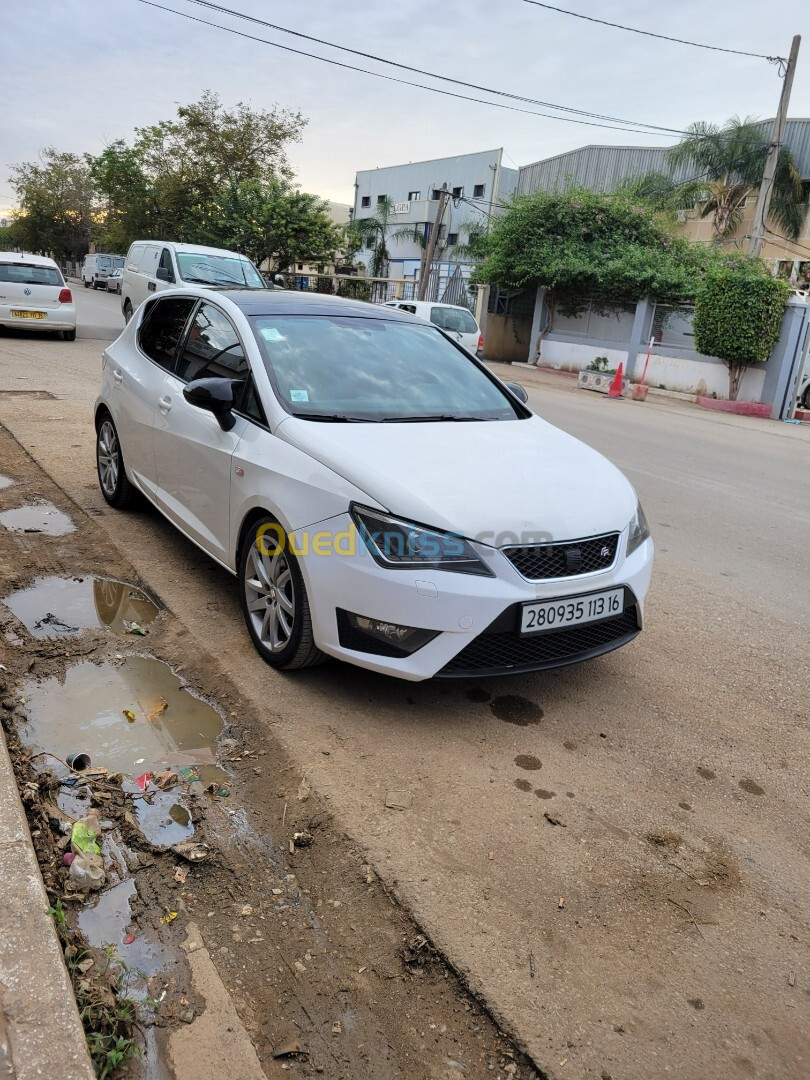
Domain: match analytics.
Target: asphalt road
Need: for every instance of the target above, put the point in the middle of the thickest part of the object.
(654, 929)
(98, 313)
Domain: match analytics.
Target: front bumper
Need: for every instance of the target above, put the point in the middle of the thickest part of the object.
(477, 618)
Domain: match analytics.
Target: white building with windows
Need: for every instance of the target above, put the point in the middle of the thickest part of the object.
(478, 184)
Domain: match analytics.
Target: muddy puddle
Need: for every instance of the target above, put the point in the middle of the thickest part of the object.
(55, 606)
(107, 922)
(5, 481)
(135, 718)
(42, 518)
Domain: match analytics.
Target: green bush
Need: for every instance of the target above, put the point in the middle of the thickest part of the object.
(738, 317)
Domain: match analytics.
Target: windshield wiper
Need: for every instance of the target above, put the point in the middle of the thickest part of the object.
(335, 418)
(428, 418)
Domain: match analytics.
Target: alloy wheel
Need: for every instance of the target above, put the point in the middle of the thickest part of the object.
(108, 458)
(270, 595)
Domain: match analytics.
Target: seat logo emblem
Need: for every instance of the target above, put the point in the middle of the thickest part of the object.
(605, 552)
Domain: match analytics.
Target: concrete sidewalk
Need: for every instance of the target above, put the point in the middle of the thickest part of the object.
(40, 1031)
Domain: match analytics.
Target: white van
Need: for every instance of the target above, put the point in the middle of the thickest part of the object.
(97, 268)
(153, 265)
(457, 321)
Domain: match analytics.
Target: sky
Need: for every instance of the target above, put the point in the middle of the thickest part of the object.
(77, 74)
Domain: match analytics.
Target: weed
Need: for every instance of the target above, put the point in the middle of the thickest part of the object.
(58, 914)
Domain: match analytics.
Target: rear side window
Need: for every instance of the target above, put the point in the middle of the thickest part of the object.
(454, 319)
(212, 348)
(134, 258)
(28, 274)
(163, 327)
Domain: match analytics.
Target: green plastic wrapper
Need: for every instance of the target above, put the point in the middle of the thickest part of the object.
(83, 840)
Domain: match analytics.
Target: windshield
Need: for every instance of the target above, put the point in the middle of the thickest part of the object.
(27, 274)
(219, 270)
(456, 320)
(344, 368)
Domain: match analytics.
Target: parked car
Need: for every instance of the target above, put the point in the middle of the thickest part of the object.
(115, 279)
(450, 317)
(380, 495)
(153, 266)
(96, 269)
(34, 296)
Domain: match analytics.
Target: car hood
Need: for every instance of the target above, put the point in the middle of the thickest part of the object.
(484, 480)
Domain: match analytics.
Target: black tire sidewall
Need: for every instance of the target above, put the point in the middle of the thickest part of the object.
(121, 495)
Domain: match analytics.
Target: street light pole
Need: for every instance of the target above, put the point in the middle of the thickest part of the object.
(769, 173)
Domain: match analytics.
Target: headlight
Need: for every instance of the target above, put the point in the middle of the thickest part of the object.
(402, 545)
(639, 530)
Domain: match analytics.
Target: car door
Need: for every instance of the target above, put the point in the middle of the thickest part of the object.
(139, 373)
(192, 451)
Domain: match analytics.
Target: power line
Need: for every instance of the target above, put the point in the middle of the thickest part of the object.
(210, 5)
(670, 133)
(650, 33)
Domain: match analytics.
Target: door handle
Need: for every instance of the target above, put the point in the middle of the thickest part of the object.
(165, 404)
(118, 376)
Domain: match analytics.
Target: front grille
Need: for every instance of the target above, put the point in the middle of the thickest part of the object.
(539, 562)
(503, 652)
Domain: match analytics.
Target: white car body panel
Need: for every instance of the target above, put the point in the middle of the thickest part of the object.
(497, 483)
(33, 297)
(422, 309)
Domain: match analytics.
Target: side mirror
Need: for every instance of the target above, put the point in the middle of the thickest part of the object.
(162, 274)
(216, 396)
(518, 391)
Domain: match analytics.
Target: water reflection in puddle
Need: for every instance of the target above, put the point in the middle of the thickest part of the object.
(42, 518)
(5, 481)
(108, 922)
(54, 606)
(134, 718)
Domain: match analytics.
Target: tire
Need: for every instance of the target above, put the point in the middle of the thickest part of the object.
(85, 283)
(127, 310)
(69, 335)
(806, 398)
(112, 476)
(274, 600)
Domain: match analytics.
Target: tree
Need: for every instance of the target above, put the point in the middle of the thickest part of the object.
(55, 197)
(729, 161)
(584, 243)
(738, 316)
(378, 230)
(270, 220)
(126, 205)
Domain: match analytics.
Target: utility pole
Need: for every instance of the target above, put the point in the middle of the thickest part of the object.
(769, 174)
(431, 248)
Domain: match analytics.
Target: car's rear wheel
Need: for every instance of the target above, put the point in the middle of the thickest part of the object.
(69, 335)
(112, 476)
(274, 598)
(127, 311)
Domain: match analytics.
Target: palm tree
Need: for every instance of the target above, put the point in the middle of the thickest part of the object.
(379, 229)
(729, 161)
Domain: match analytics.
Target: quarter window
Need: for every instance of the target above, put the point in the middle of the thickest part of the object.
(162, 328)
(212, 348)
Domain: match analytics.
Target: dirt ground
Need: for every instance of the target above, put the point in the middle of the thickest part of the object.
(315, 953)
(613, 856)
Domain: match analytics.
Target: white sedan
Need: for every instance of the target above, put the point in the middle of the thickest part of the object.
(379, 494)
(34, 296)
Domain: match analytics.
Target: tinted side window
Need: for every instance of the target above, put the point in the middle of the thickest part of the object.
(159, 335)
(212, 348)
(166, 263)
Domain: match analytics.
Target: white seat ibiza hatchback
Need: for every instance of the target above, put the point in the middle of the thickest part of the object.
(379, 494)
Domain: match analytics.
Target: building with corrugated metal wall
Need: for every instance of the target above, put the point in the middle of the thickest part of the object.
(604, 168)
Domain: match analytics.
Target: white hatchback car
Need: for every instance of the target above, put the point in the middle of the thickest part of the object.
(456, 320)
(381, 496)
(34, 296)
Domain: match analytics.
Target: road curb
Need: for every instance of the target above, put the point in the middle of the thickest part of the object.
(41, 1034)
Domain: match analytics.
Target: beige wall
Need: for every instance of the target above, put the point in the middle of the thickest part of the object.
(773, 249)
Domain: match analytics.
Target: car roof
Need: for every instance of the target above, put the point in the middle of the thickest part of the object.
(195, 249)
(19, 256)
(254, 302)
(427, 303)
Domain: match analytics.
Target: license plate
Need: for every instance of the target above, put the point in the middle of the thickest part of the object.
(545, 615)
(28, 315)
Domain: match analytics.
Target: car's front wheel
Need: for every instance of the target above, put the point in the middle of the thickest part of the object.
(112, 476)
(274, 598)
